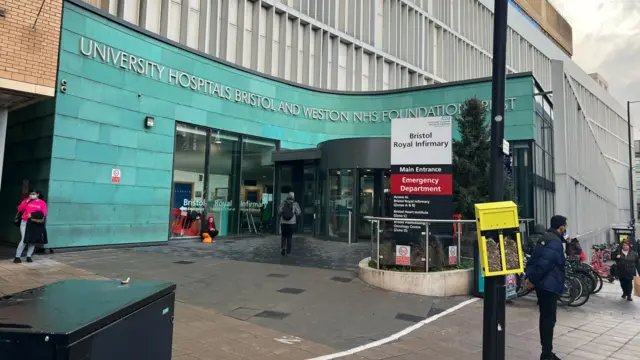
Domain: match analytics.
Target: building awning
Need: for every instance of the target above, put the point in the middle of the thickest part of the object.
(296, 155)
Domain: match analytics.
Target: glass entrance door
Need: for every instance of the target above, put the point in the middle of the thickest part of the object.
(307, 198)
(367, 202)
(340, 205)
(299, 177)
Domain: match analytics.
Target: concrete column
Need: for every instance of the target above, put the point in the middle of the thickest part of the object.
(255, 35)
(142, 14)
(4, 114)
(335, 62)
(282, 50)
(373, 72)
(224, 26)
(268, 46)
(318, 58)
(379, 73)
(184, 21)
(306, 54)
(164, 18)
(351, 18)
(295, 50)
(350, 72)
(213, 27)
(325, 60)
(202, 25)
(105, 4)
(358, 68)
(120, 9)
(240, 33)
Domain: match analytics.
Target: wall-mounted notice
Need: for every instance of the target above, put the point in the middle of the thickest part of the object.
(421, 173)
(403, 255)
(115, 176)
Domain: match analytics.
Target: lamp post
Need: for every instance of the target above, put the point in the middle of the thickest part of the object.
(494, 313)
(632, 222)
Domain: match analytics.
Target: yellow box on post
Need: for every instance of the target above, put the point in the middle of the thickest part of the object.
(499, 240)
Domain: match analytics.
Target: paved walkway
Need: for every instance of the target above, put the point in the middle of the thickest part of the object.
(199, 333)
(314, 294)
(223, 311)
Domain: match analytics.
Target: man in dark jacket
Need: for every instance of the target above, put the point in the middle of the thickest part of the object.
(545, 270)
(534, 238)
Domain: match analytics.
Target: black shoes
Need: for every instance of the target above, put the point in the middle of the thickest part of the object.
(551, 356)
(29, 259)
(629, 298)
(17, 260)
(282, 252)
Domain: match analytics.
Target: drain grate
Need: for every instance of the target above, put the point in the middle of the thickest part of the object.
(409, 317)
(276, 315)
(293, 291)
(277, 275)
(184, 262)
(341, 279)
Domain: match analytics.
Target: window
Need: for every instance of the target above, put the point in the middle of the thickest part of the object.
(237, 192)
(256, 189)
(188, 186)
(224, 161)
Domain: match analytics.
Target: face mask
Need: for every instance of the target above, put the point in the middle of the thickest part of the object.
(33, 197)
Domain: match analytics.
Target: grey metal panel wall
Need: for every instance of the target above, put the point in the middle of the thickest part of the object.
(353, 153)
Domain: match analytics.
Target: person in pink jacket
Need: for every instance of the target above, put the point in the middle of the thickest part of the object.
(27, 207)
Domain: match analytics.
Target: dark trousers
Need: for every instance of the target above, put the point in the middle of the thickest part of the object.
(287, 237)
(548, 304)
(627, 286)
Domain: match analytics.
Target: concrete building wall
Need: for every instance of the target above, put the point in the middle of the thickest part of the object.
(29, 41)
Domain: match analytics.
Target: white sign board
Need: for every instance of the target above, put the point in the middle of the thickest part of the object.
(417, 141)
(453, 255)
(505, 147)
(403, 255)
(115, 176)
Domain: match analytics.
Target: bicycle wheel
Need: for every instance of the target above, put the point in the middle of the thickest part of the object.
(572, 290)
(588, 282)
(582, 299)
(598, 280)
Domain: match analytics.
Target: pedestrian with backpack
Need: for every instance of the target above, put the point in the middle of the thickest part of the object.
(288, 211)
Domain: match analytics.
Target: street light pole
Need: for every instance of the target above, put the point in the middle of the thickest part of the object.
(493, 330)
(632, 222)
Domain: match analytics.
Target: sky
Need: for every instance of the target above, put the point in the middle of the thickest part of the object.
(606, 40)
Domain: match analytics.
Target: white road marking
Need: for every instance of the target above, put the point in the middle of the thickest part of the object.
(397, 335)
(289, 340)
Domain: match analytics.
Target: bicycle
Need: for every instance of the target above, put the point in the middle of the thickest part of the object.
(578, 286)
(578, 295)
(586, 268)
(597, 262)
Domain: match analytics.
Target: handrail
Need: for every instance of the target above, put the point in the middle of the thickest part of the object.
(422, 221)
(419, 221)
(375, 221)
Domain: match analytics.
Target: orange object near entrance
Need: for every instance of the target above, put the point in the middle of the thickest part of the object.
(457, 226)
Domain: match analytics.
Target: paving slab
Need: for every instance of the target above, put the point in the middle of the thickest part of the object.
(199, 333)
(314, 293)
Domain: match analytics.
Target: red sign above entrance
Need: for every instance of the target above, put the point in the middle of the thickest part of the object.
(421, 184)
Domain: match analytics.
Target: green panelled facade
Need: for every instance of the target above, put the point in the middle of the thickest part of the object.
(68, 146)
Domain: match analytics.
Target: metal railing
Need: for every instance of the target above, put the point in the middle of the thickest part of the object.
(376, 230)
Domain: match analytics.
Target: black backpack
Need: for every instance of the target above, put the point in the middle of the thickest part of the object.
(287, 211)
